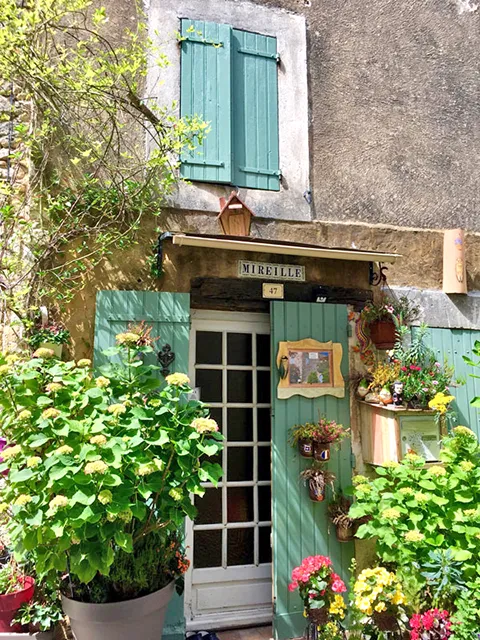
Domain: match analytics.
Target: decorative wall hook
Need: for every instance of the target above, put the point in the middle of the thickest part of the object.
(166, 357)
(377, 277)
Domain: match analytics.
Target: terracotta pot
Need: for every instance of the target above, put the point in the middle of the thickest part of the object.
(321, 451)
(385, 621)
(319, 617)
(344, 532)
(305, 447)
(382, 333)
(11, 603)
(314, 494)
(141, 618)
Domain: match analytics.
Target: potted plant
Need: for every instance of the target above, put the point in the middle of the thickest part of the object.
(379, 597)
(327, 432)
(40, 616)
(320, 589)
(15, 589)
(302, 436)
(52, 336)
(384, 316)
(338, 510)
(101, 477)
(434, 624)
(317, 479)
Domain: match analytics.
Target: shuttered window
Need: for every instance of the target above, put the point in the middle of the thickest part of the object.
(229, 79)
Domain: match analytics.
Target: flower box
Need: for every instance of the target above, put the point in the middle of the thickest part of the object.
(388, 433)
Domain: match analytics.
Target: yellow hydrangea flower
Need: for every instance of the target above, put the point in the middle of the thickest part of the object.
(58, 502)
(359, 479)
(146, 469)
(421, 497)
(12, 358)
(391, 464)
(50, 413)
(22, 500)
(128, 338)
(406, 491)
(95, 467)
(176, 494)
(43, 353)
(460, 430)
(437, 470)
(414, 536)
(4, 369)
(65, 449)
(204, 425)
(126, 515)
(100, 440)
(105, 496)
(11, 452)
(466, 465)
(413, 457)
(117, 409)
(366, 488)
(33, 461)
(177, 379)
(102, 382)
(84, 362)
(391, 514)
(4, 507)
(25, 415)
(53, 387)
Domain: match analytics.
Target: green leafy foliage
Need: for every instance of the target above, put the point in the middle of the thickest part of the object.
(100, 462)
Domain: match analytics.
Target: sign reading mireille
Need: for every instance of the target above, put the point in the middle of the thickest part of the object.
(293, 272)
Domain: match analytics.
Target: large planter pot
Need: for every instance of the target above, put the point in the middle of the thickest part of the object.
(140, 618)
(305, 447)
(382, 333)
(11, 603)
(321, 451)
(319, 617)
(56, 348)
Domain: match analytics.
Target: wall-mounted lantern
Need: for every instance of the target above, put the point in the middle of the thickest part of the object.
(454, 268)
(235, 217)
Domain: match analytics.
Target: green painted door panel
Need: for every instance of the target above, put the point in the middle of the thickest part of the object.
(255, 109)
(301, 527)
(205, 89)
(169, 315)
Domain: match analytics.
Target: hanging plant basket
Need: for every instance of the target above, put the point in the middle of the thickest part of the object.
(316, 491)
(305, 447)
(319, 617)
(321, 451)
(385, 621)
(344, 532)
(382, 333)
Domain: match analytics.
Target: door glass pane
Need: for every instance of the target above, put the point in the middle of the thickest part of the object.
(240, 504)
(240, 546)
(263, 350)
(217, 414)
(208, 347)
(209, 507)
(240, 425)
(239, 386)
(207, 549)
(210, 383)
(263, 387)
(264, 425)
(239, 348)
(264, 463)
(264, 548)
(264, 504)
(240, 464)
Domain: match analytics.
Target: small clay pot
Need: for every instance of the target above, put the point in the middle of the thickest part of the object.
(385, 621)
(305, 447)
(344, 532)
(319, 617)
(315, 495)
(321, 451)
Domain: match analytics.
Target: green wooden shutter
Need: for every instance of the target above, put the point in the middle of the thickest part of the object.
(300, 527)
(169, 315)
(205, 91)
(255, 111)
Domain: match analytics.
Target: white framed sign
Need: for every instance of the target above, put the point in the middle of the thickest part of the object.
(272, 271)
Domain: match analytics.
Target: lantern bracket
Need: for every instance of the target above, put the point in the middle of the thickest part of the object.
(377, 278)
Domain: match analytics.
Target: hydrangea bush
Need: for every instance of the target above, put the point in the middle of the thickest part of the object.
(97, 463)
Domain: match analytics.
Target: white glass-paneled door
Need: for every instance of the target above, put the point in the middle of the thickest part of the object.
(229, 583)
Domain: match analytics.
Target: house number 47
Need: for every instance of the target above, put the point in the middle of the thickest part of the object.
(272, 290)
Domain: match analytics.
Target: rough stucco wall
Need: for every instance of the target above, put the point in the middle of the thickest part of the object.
(394, 110)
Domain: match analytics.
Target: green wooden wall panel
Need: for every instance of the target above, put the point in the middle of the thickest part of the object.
(205, 81)
(300, 527)
(255, 111)
(452, 344)
(169, 315)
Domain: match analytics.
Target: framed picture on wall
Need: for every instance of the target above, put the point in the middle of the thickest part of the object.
(310, 368)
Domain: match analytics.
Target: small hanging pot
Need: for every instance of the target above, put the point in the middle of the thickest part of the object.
(305, 447)
(321, 451)
(319, 617)
(316, 490)
(344, 532)
(382, 333)
(385, 621)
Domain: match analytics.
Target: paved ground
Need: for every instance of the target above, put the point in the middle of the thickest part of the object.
(253, 633)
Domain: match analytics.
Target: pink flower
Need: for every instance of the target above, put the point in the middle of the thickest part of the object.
(292, 586)
(338, 586)
(435, 382)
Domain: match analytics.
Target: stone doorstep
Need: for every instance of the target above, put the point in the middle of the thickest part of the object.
(41, 635)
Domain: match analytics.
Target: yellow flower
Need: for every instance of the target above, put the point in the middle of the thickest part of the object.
(12, 358)
(437, 470)
(127, 338)
(84, 362)
(126, 515)
(4, 369)
(105, 496)
(413, 457)
(414, 536)
(117, 409)
(359, 479)
(63, 450)
(381, 606)
(407, 491)
(22, 500)
(34, 461)
(100, 440)
(111, 517)
(177, 379)
(398, 598)
(53, 387)
(366, 488)
(176, 494)
(102, 382)
(204, 425)
(58, 502)
(43, 353)
(466, 465)
(337, 607)
(391, 464)
(421, 497)
(146, 469)
(4, 507)
(126, 438)
(391, 514)
(50, 413)
(11, 452)
(25, 415)
(95, 467)
(463, 431)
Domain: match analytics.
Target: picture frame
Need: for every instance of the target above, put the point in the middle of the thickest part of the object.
(310, 369)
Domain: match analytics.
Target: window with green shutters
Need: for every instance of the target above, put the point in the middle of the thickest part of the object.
(229, 79)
